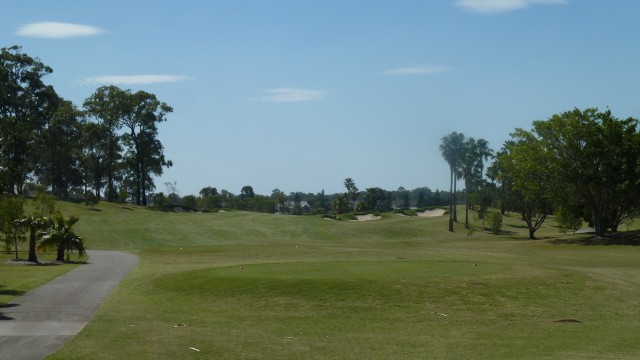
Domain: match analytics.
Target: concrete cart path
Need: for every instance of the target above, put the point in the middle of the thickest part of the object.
(41, 321)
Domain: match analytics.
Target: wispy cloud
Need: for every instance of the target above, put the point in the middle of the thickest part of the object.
(416, 70)
(57, 30)
(498, 6)
(135, 79)
(288, 95)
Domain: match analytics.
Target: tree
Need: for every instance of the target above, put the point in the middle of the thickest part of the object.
(596, 157)
(33, 223)
(496, 173)
(352, 191)
(140, 114)
(160, 200)
(208, 191)
(405, 198)
(375, 199)
(60, 150)
(495, 222)
(60, 236)
(189, 201)
(471, 165)
(101, 106)
(91, 199)
(320, 204)
(11, 210)
(94, 155)
(484, 153)
(468, 167)
(25, 103)
(451, 150)
(528, 164)
(246, 192)
(340, 204)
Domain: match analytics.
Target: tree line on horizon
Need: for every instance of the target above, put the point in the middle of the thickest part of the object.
(580, 165)
(352, 200)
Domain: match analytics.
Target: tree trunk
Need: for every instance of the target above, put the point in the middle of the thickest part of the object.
(33, 257)
(60, 253)
(451, 202)
(466, 205)
(455, 199)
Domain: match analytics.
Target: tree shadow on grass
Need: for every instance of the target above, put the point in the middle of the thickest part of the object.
(629, 238)
(8, 292)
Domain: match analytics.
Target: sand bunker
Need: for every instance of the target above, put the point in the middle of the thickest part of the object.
(431, 213)
(367, 217)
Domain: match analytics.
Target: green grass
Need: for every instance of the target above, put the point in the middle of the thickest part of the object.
(241, 285)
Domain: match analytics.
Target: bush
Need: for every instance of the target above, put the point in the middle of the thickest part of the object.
(91, 199)
(495, 221)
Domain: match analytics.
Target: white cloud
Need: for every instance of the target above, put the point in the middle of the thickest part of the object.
(287, 95)
(56, 30)
(416, 70)
(135, 79)
(497, 6)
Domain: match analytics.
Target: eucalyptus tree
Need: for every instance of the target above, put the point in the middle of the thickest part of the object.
(104, 106)
(60, 150)
(94, 156)
(25, 103)
(141, 113)
(451, 150)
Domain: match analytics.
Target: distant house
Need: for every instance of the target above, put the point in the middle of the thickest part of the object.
(290, 208)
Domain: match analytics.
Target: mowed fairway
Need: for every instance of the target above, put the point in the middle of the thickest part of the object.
(241, 285)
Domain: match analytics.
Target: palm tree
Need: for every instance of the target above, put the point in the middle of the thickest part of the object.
(450, 148)
(60, 236)
(352, 191)
(468, 168)
(484, 153)
(33, 223)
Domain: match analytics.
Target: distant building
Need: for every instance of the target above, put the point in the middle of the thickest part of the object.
(290, 208)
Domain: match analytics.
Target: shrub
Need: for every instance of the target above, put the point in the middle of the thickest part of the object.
(495, 221)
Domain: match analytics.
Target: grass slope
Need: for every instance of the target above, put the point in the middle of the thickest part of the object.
(256, 286)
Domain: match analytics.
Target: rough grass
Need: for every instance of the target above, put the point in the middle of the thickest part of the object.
(242, 285)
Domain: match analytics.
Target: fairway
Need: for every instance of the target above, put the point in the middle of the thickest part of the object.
(239, 285)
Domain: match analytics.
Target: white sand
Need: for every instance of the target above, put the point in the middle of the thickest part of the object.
(431, 213)
(368, 217)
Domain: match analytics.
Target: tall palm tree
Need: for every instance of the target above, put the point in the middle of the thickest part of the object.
(484, 153)
(60, 236)
(450, 147)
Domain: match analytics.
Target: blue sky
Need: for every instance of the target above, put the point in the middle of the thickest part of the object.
(299, 95)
